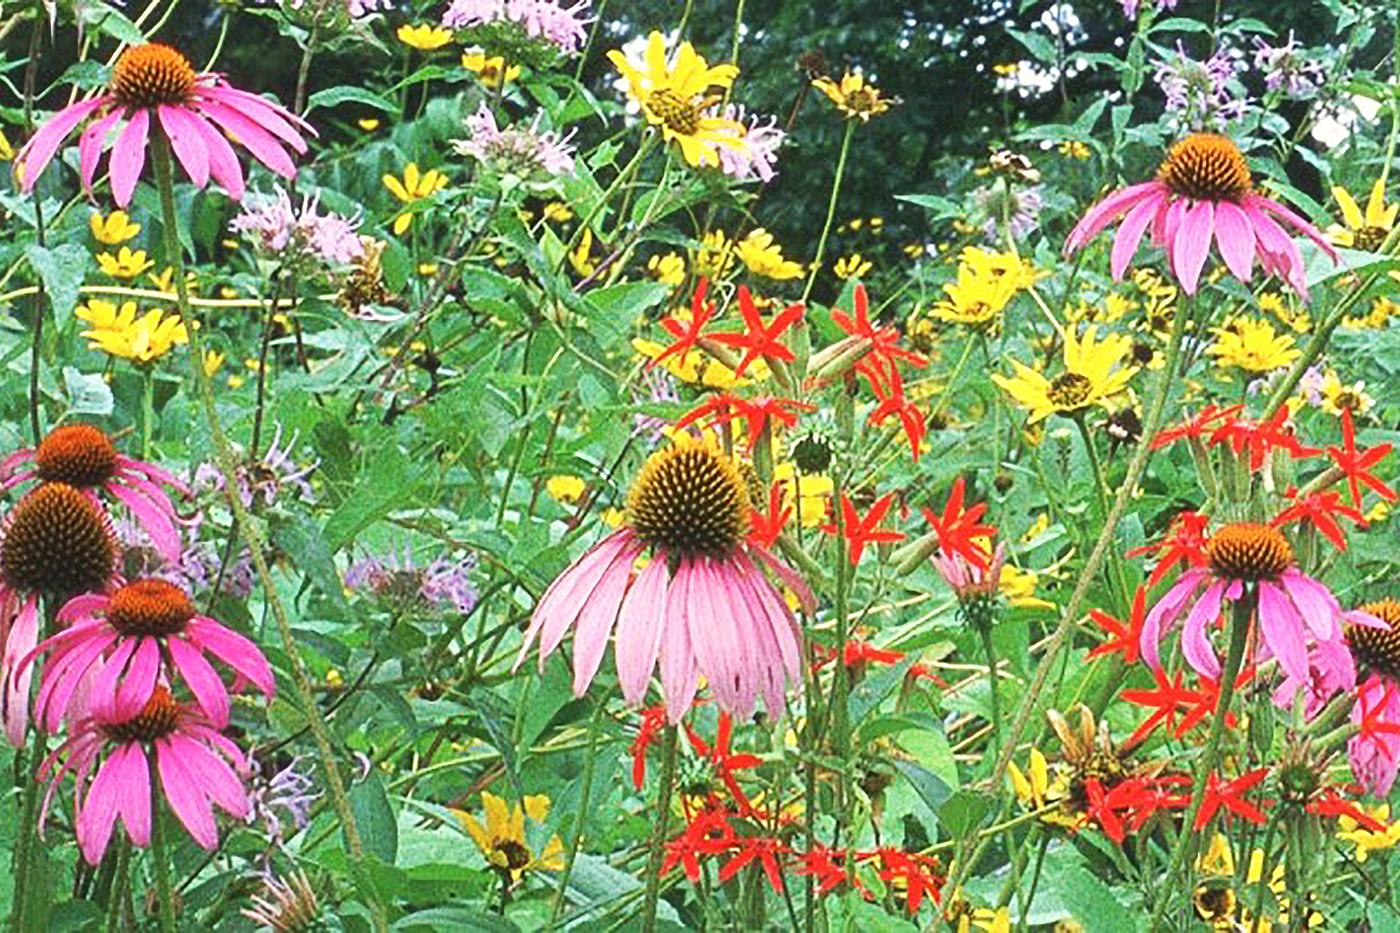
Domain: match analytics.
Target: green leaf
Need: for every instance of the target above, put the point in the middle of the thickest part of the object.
(462, 919)
(963, 812)
(1039, 46)
(594, 884)
(389, 481)
(871, 691)
(88, 393)
(61, 269)
(1092, 902)
(334, 96)
(305, 544)
(930, 787)
(374, 818)
(112, 22)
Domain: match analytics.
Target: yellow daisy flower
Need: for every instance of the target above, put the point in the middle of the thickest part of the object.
(212, 362)
(853, 266)
(114, 229)
(414, 186)
(715, 256)
(1090, 378)
(581, 258)
(854, 97)
(502, 839)
(989, 263)
(765, 258)
(1337, 396)
(977, 298)
(126, 264)
(668, 269)
(1363, 231)
(368, 124)
(489, 69)
(677, 97)
(1074, 149)
(425, 38)
(557, 211)
(566, 489)
(816, 489)
(1252, 345)
(120, 332)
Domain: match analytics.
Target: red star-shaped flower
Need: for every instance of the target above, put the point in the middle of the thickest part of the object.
(764, 527)
(766, 850)
(1319, 508)
(1126, 638)
(889, 389)
(858, 531)
(1356, 464)
(883, 341)
(1185, 542)
(958, 530)
(1230, 795)
(918, 873)
(756, 413)
(1261, 437)
(1169, 697)
(1197, 425)
(687, 332)
(759, 340)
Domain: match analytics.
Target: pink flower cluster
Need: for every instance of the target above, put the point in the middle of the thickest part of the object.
(543, 19)
(275, 226)
(121, 648)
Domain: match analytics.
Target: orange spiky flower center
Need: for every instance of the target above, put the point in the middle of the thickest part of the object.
(57, 540)
(157, 719)
(1206, 167)
(150, 75)
(1378, 648)
(690, 500)
(77, 454)
(1249, 552)
(150, 608)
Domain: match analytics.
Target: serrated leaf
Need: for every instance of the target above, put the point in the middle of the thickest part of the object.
(335, 96)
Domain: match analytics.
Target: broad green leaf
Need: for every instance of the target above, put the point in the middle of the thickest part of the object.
(374, 818)
(61, 269)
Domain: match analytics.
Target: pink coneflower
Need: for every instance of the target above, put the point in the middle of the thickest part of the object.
(194, 110)
(1295, 613)
(700, 606)
(1375, 750)
(83, 457)
(57, 542)
(117, 649)
(1202, 193)
(198, 768)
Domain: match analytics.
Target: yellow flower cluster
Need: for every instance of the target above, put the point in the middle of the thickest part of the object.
(986, 281)
(119, 332)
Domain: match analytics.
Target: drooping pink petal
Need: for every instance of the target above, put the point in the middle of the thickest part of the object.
(263, 112)
(91, 143)
(99, 811)
(233, 649)
(712, 634)
(203, 680)
(1316, 604)
(129, 157)
(63, 677)
(218, 781)
(265, 147)
(133, 792)
(88, 605)
(31, 160)
(1295, 220)
(186, 141)
(1164, 613)
(791, 578)
(24, 632)
(150, 517)
(223, 161)
(1193, 243)
(1106, 211)
(185, 795)
(139, 680)
(1277, 250)
(1125, 244)
(1235, 234)
(677, 659)
(562, 600)
(640, 624)
(1281, 630)
(1195, 635)
(104, 687)
(595, 623)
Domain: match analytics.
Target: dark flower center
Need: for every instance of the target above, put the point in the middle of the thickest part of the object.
(76, 454)
(150, 608)
(157, 719)
(149, 75)
(514, 852)
(1369, 238)
(1378, 648)
(57, 540)
(690, 500)
(1215, 904)
(680, 114)
(1249, 552)
(1070, 390)
(1206, 167)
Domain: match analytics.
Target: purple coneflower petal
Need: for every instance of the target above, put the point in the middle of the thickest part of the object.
(129, 156)
(1107, 210)
(152, 518)
(138, 681)
(1277, 250)
(791, 578)
(186, 141)
(1281, 630)
(1235, 235)
(263, 112)
(24, 632)
(1164, 613)
(1316, 604)
(1193, 243)
(637, 638)
(251, 136)
(677, 660)
(184, 794)
(1195, 634)
(202, 679)
(233, 649)
(1125, 244)
(35, 155)
(595, 622)
(99, 811)
(133, 792)
(1295, 220)
(223, 161)
(65, 675)
(218, 781)
(562, 600)
(104, 686)
(91, 143)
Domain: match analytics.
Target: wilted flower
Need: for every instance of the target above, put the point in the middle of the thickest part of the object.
(265, 479)
(443, 582)
(1286, 69)
(756, 157)
(1200, 91)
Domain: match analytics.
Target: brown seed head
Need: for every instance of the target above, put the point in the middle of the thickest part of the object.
(1206, 167)
(57, 540)
(1378, 648)
(148, 75)
(1249, 552)
(690, 500)
(150, 608)
(77, 454)
(157, 719)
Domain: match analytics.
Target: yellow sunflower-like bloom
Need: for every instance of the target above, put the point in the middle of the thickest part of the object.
(853, 266)
(815, 490)
(127, 264)
(114, 229)
(677, 98)
(1363, 231)
(716, 255)
(425, 38)
(1090, 378)
(1252, 345)
(990, 263)
(415, 186)
(668, 269)
(557, 211)
(765, 258)
(1337, 396)
(120, 332)
(490, 70)
(566, 489)
(853, 96)
(501, 838)
(977, 298)
(1368, 840)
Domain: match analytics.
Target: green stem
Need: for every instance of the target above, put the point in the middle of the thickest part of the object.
(953, 379)
(1243, 611)
(148, 410)
(658, 830)
(335, 786)
(580, 820)
(984, 629)
(830, 208)
(165, 895)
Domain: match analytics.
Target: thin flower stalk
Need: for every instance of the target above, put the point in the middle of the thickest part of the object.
(165, 185)
(830, 209)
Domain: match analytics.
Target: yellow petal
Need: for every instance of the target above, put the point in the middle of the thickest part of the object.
(1350, 212)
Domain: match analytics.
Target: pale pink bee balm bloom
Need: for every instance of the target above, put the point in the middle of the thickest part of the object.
(700, 606)
(195, 111)
(1202, 194)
